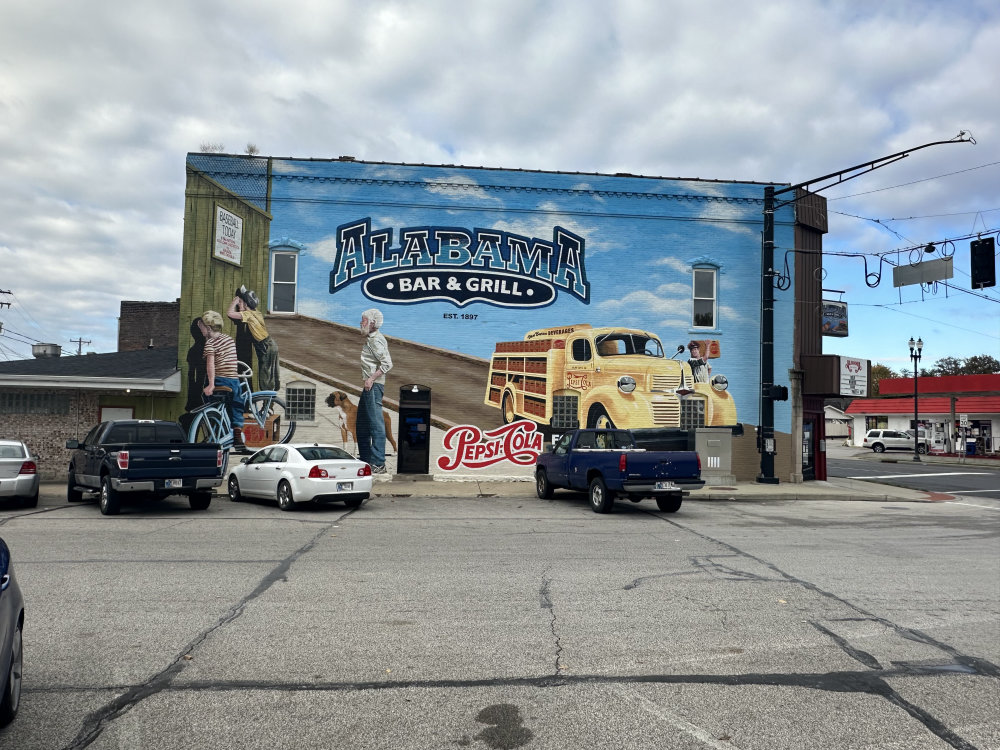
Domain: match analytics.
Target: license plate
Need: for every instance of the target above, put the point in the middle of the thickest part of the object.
(344, 486)
(171, 483)
(666, 486)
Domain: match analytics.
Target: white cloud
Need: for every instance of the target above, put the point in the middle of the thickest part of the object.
(99, 103)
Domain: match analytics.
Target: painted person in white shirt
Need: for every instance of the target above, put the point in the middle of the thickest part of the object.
(375, 363)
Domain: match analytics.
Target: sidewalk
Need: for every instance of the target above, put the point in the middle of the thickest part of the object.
(405, 485)
(834, 489)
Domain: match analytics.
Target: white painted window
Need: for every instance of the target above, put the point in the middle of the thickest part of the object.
(284, 279)
(704, 304)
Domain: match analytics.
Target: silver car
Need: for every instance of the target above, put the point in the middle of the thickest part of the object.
(18, 473)
(883, 440)
(295, 473)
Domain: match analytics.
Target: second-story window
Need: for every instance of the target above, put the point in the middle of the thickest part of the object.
(704, 298)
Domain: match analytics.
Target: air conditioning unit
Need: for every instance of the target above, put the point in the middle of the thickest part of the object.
(40, 351)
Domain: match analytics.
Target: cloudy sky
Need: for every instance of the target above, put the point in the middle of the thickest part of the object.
(101, 101)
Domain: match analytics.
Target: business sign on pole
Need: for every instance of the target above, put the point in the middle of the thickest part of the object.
(963, 421)
(853, 376)
(228, 236)
(925, 272)
(834, 318)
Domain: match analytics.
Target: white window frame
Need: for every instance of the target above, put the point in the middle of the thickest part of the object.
(294, 283)
(714, 271)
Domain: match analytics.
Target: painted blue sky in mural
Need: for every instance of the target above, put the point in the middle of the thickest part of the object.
(641, 239)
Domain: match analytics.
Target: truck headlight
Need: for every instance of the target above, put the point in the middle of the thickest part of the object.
(720, 382)
(626, 384)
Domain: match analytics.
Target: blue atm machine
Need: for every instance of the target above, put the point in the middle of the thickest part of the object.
(414, 429)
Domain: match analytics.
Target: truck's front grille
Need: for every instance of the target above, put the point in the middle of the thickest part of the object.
(666, 382)
(692, 413)
(666, 413)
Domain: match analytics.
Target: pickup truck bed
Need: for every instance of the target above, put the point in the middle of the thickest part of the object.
(607, 465)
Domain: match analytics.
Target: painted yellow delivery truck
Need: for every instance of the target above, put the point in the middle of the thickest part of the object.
(581, 376)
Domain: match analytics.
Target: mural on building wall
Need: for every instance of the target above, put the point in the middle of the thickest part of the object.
(558, 298)
(222, 404)
(250, 324)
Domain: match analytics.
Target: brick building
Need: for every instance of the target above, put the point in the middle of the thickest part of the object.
(51, 398)
(148, 325)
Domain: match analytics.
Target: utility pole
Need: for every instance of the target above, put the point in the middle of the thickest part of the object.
(79, 345)
(768, 390)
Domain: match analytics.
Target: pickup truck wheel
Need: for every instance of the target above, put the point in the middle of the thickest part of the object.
(110, 499)
(598, 418)
(600, 499)
(73, 495)
(669, 503)
(543, 488)
(921, 448)
(285, 499)
(200, 500)
(234, 489)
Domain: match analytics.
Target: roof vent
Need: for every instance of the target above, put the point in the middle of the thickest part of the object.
(41, 351)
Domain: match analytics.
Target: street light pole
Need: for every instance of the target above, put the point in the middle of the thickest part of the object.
(765, 428)
(915, 348)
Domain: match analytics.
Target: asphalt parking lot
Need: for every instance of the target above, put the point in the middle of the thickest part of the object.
(501, 622)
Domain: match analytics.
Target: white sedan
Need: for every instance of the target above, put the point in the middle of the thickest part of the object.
(299, 473)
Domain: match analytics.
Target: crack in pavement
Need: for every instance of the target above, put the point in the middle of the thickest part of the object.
(95, 722)
(873, 683)
(545, 601)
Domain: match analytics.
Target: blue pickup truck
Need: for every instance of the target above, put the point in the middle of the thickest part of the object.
(607, 465)
(152, 457)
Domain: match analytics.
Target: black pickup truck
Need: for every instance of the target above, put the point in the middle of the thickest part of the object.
(143, 456)
(607, 464)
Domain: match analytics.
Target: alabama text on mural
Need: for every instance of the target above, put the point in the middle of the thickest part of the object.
(459, 265)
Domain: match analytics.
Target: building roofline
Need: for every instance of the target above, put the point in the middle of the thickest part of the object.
(170, 384)
(352, 160)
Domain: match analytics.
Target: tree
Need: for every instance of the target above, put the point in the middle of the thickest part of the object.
(880, 371)
(252, 149)
(980, 364)
(212, 147)
(947, 366)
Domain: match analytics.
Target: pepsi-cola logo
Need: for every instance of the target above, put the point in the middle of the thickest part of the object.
(472, 448)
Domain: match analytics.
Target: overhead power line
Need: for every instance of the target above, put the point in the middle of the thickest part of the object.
(914, 182)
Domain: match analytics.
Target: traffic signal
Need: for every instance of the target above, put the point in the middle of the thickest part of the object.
(984, 269)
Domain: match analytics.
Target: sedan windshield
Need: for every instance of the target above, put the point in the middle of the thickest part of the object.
(616, 344)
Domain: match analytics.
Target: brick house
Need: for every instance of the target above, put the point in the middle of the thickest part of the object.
(49, 399)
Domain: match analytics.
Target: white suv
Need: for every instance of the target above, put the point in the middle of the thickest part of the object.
(883, 440)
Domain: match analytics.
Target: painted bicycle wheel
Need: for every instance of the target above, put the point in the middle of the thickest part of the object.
(267, 422)
(210, 426)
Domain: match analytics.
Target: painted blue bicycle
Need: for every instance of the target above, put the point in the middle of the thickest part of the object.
(266, 418)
